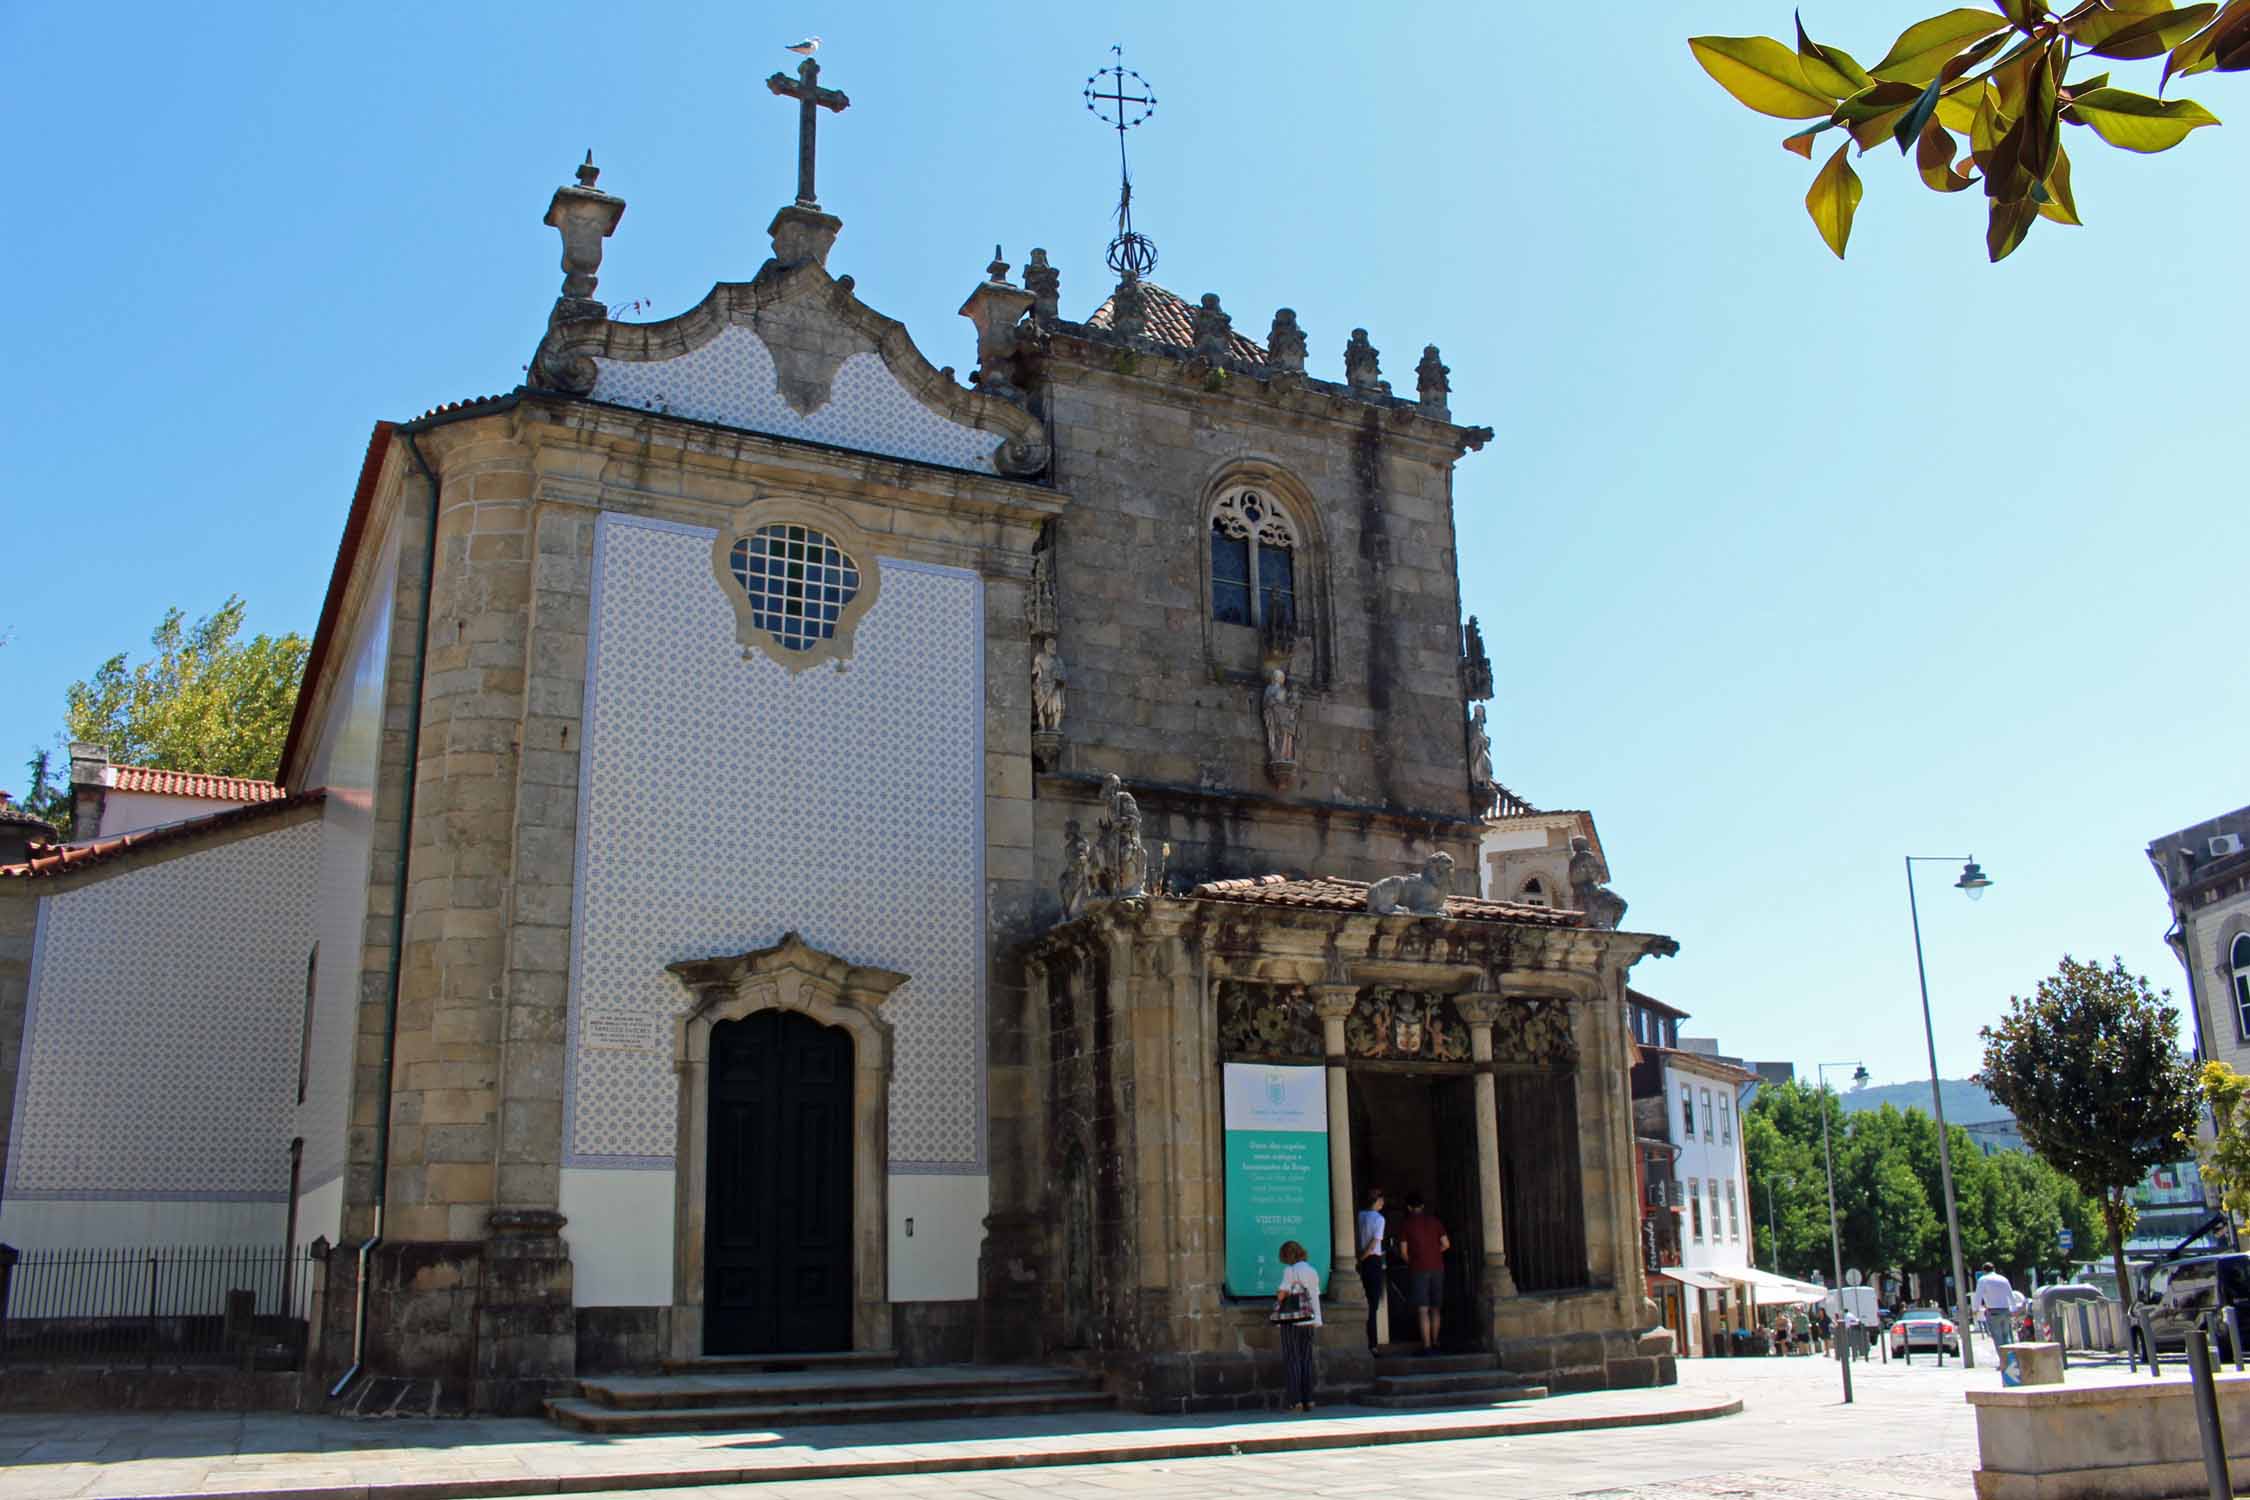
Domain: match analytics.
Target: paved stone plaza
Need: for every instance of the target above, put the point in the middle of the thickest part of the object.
(1910, 1434)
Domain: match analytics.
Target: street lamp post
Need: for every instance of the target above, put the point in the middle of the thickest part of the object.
(1972, 884)
(1773, 1236)
(1835, 1236)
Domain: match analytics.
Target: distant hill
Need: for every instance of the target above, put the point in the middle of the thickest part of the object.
(1965, 1103)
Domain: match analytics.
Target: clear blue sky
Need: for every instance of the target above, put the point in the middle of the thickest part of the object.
(1789, 567)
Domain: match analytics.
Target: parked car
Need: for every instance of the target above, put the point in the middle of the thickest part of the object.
(2180, 1296)
(1924, 1328)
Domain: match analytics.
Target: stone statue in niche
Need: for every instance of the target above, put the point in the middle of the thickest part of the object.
(1484, 786)
(1078, 870)
(1603, 907)
(1048, 678)
(1279, 706)
(1042, 611)
(1422, 895)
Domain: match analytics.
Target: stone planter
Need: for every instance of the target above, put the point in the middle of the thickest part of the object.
(2113, 1436)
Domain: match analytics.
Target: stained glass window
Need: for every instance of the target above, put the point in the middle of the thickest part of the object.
(798, 581)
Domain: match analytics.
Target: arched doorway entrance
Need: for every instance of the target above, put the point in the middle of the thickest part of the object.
(777, 1252)
(780, 1216)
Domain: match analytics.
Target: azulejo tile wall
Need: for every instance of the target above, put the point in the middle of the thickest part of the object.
(726, 801)
(161, 1044)
(731, 380)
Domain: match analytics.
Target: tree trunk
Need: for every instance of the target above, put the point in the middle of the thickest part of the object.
(2113, 1223)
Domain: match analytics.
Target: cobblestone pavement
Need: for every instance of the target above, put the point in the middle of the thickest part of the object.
(1910, 1433)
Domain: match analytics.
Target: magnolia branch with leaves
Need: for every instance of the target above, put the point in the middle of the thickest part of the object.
(2001, 82)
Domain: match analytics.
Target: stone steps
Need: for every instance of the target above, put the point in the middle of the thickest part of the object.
(592, 1417)
(717, 1396)
(843, 1359)
(1409, 1382)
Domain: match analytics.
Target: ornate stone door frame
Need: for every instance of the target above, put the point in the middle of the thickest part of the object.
(791, 975)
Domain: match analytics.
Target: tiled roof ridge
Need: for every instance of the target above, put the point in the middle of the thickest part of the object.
(68, 859)
(163, 782)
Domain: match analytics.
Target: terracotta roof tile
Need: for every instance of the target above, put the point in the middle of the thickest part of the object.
(68, 859)
(13, 816)
(163, 783)
(1331, 893)
(1171, 320)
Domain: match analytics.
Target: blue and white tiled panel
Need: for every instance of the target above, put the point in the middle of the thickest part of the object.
(727, 801)
(731, 381)
(161, 1044)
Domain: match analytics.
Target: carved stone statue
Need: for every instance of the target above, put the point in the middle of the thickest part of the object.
(1041, 607)
(1476, 666)
(1280, 709)
(1044, 283)
(1078, 870)
(1603, 907)
(1423, 894)
(1363, 368)
(1120, 862)
(1048, 676)
(1484, 786)
(1285, 345)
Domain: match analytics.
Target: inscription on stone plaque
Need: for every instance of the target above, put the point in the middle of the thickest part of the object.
(617, 1029)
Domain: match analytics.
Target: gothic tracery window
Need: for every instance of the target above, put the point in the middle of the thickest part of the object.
(2238, 959)
(1253, 560)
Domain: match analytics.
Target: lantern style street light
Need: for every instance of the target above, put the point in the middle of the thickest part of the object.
(1972, 884)
(1835, 1238)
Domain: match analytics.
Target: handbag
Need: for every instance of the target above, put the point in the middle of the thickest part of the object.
(1296, 1307)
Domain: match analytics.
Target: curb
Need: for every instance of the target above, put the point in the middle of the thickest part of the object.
(1098, 1453)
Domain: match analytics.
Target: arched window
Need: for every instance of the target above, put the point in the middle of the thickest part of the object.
(1534, 892)
(2238, 960)
(1253, 560)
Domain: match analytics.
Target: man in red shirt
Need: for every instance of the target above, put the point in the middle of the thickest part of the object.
(1423, 1241)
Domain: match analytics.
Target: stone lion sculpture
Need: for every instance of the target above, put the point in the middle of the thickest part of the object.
(1423, 894)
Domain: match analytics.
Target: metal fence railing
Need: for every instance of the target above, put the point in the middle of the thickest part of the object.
(209, 1305)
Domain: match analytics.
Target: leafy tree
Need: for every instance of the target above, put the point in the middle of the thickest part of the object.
(48, 794)
(2090, 1066)
(2001, 82)
(2226, 1159)
(205, 701)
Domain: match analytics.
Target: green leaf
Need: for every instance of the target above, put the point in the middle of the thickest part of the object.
(1908, 130)
(2136, 33)
(1763, 74)
(2010, 223)
(2060, 206)
(1801, 142)
(2135, 122)
(1871, 113)
(1933, 157)
(2227, 35)
(1923, 48)
(1833, 199)
(1829, 68)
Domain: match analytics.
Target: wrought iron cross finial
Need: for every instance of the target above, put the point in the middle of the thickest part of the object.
(1127, 103)
(811, 99)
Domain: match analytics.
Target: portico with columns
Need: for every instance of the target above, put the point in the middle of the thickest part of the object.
(1509, 1020)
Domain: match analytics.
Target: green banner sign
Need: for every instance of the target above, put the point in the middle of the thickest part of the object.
(1277, 1172)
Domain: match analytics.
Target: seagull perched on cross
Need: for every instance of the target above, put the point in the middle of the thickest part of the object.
(805, 48)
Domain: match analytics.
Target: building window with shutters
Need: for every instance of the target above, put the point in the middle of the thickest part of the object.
(1694, 1212)
(1734, 1218)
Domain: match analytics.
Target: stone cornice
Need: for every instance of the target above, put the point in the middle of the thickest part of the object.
(1198, 378)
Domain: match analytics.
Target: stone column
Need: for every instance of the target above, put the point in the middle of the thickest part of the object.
(1335, 1003)
(1480, 1011)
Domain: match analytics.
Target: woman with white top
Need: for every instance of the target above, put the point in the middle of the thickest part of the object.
(1296, 1311)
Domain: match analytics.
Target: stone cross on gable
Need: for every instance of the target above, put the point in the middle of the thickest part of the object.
(811, 99)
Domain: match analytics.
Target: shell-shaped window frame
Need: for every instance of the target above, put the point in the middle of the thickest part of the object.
(836, 530)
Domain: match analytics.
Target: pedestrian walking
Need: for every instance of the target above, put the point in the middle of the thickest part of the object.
(1296, 1312)
(1370, 1235)
(1424, 1241)
(1995, 1305)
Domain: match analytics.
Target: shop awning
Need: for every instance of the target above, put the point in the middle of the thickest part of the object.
(1702, 1281)
(1767, 1289)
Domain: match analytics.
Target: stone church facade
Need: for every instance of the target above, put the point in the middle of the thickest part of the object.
(781, 844)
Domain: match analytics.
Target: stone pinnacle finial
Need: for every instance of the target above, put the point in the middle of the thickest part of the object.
(1432, 385)
(1128, 308)
(1285, 345)
(1044, 283)
(1212, 329)
(585, 216)
(998, 271)
(1363, 367)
